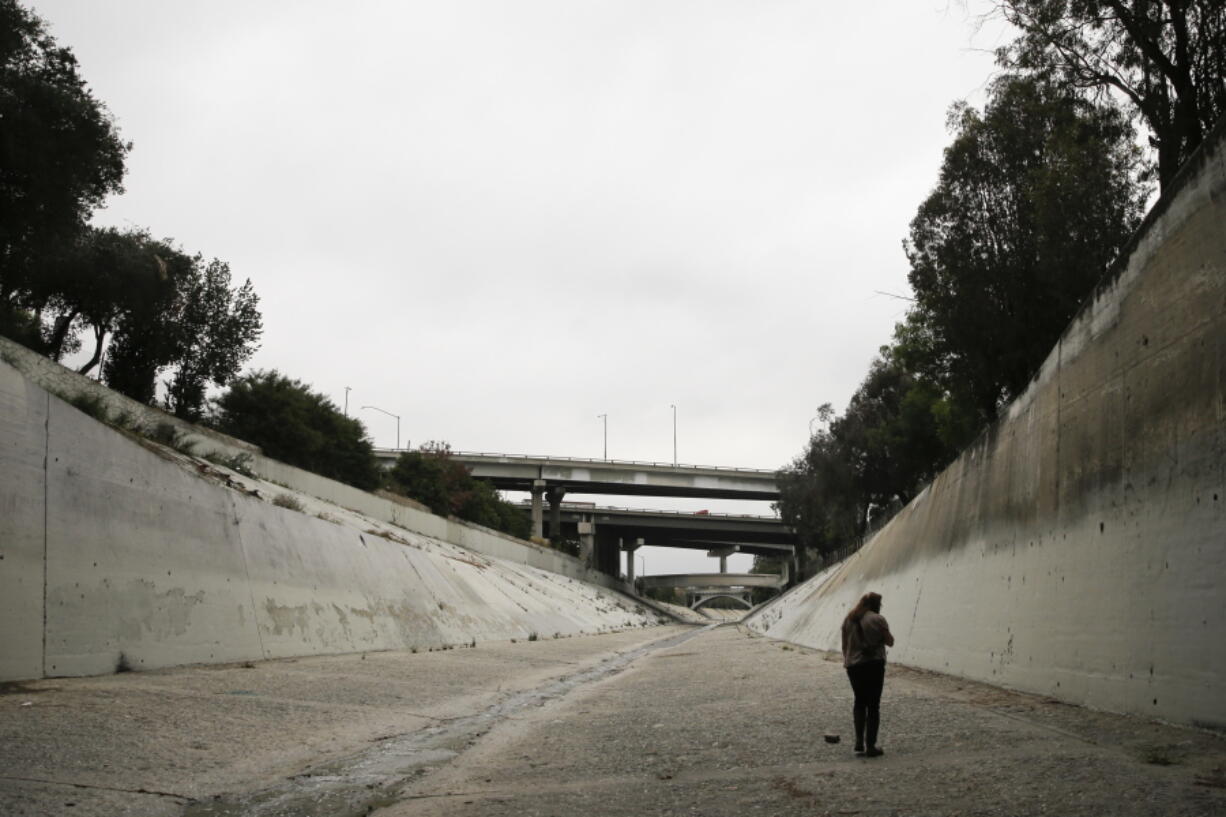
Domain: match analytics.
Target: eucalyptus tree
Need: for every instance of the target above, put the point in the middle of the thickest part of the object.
(1038, 194)
(1165, 58)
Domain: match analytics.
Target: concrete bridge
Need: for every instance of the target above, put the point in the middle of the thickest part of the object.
(552, 478)
(702, 588)
(602, 532)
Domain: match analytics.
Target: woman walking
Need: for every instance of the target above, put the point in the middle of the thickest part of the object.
(865, 637)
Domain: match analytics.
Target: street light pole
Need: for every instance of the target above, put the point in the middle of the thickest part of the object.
(605, 417)
(642, 564)
(347, 401)
(389, 414)
(674, 408)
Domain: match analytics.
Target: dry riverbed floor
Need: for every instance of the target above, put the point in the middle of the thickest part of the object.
(666, 721)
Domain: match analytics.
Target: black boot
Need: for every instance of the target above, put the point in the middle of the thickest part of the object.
(873, 722)
(858, 717)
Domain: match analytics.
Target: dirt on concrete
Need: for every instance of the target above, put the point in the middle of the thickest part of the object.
(162, 742)
(667, 721)
(729, 724)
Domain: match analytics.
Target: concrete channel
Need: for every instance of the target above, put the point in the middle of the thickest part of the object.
(357, 784)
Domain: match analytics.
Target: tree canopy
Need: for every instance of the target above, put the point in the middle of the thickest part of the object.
(161, 309)
(432, 477)
(60, 156)
(216, 328)
(1166, 58)
(1037, 196)
(292, 423)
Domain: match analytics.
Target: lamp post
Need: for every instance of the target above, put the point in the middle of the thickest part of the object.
(605, 417)
(674, 408)
(389, 414)
(347, 390)
(642, 564)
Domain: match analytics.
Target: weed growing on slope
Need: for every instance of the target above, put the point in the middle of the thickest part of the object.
(240, 462)
(90, 404)
(289, 501)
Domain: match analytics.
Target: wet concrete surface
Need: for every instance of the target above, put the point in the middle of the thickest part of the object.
(666, 721)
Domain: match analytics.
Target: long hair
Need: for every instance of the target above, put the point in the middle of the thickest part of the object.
(869, 601)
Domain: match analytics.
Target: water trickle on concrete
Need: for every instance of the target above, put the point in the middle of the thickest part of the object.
(357, 784)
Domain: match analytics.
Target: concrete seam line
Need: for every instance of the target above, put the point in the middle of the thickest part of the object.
(42, 659)
(70, 784)
(1059, 401)
(242, 548)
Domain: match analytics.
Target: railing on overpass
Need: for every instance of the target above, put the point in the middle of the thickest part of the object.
(592, 507)
(712, 580)
(548, 458)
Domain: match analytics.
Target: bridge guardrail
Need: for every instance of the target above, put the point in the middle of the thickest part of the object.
(568, 506)
(546, 458)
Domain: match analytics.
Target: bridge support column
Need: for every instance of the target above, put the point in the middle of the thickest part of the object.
(538, 510)
(638, 543)
(587, 541)
(723, 554)
(555, 512)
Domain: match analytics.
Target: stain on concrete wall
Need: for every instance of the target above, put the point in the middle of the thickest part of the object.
(118, 553)
(1078, 548)
(52, 377)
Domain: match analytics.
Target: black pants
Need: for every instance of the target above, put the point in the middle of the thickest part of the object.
(867, 680)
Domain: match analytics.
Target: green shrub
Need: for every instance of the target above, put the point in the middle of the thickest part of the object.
(298, 426)
(430, 476)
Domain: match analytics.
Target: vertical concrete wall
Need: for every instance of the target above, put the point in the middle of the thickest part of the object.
(141, 556)
(23, 449)
(118, 552)
(1078, 549)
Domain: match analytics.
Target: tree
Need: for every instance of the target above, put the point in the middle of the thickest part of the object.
(217, 329)
(896, 434)
(430, 476)
(60, 156)
(448, 488)
(296, 425)
(145, 337)
(105, 278)
(1037, 196)
(768, 566)
(160, 307)
(818, 495)
(1167, 58)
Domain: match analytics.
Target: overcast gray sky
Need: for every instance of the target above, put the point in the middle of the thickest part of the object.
(502, 219)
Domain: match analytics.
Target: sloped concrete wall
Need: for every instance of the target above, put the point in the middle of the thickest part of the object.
(67, 384)
(1078, 549)
(117, 551)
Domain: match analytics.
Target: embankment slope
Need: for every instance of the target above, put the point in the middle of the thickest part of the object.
(1078, 548)
(116, 552)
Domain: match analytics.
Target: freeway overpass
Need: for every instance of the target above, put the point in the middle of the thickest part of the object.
(555, 477)
(604, 532)
(614, 477)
